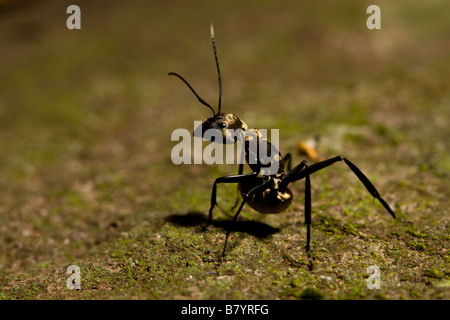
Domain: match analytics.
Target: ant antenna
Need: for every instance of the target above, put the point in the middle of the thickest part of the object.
(193, 91)
(211, 29)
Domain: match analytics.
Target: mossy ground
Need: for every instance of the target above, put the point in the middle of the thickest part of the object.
(87, 179)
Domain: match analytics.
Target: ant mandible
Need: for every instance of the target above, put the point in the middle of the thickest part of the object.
(265, 193)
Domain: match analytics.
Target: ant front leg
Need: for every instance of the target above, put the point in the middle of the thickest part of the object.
(228, 179)
(240, 172)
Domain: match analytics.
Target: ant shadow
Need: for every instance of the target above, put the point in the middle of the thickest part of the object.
(198, 219)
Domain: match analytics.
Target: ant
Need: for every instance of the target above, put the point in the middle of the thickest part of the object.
(267, 193)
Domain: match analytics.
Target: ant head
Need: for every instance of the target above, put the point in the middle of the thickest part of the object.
(226, 125)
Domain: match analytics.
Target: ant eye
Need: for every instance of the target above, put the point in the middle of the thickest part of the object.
(222, 125)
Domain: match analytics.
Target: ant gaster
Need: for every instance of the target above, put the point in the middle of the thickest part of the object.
(266, 193)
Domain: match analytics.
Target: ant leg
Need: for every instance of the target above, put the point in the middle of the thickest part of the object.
(308, 215)
(241, 170)
(227, 179)
(288, 160)
(365, 181)
(232, 223)
(307, 208)
(292, 176)
(247, 195)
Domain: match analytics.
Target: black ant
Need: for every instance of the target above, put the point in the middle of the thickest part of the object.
(266, 193)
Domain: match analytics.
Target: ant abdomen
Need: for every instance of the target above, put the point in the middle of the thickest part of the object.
(269, 200)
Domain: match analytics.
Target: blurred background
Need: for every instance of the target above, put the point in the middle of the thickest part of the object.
(86, 115)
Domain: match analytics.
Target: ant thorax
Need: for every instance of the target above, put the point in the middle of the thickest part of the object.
(261, 155)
